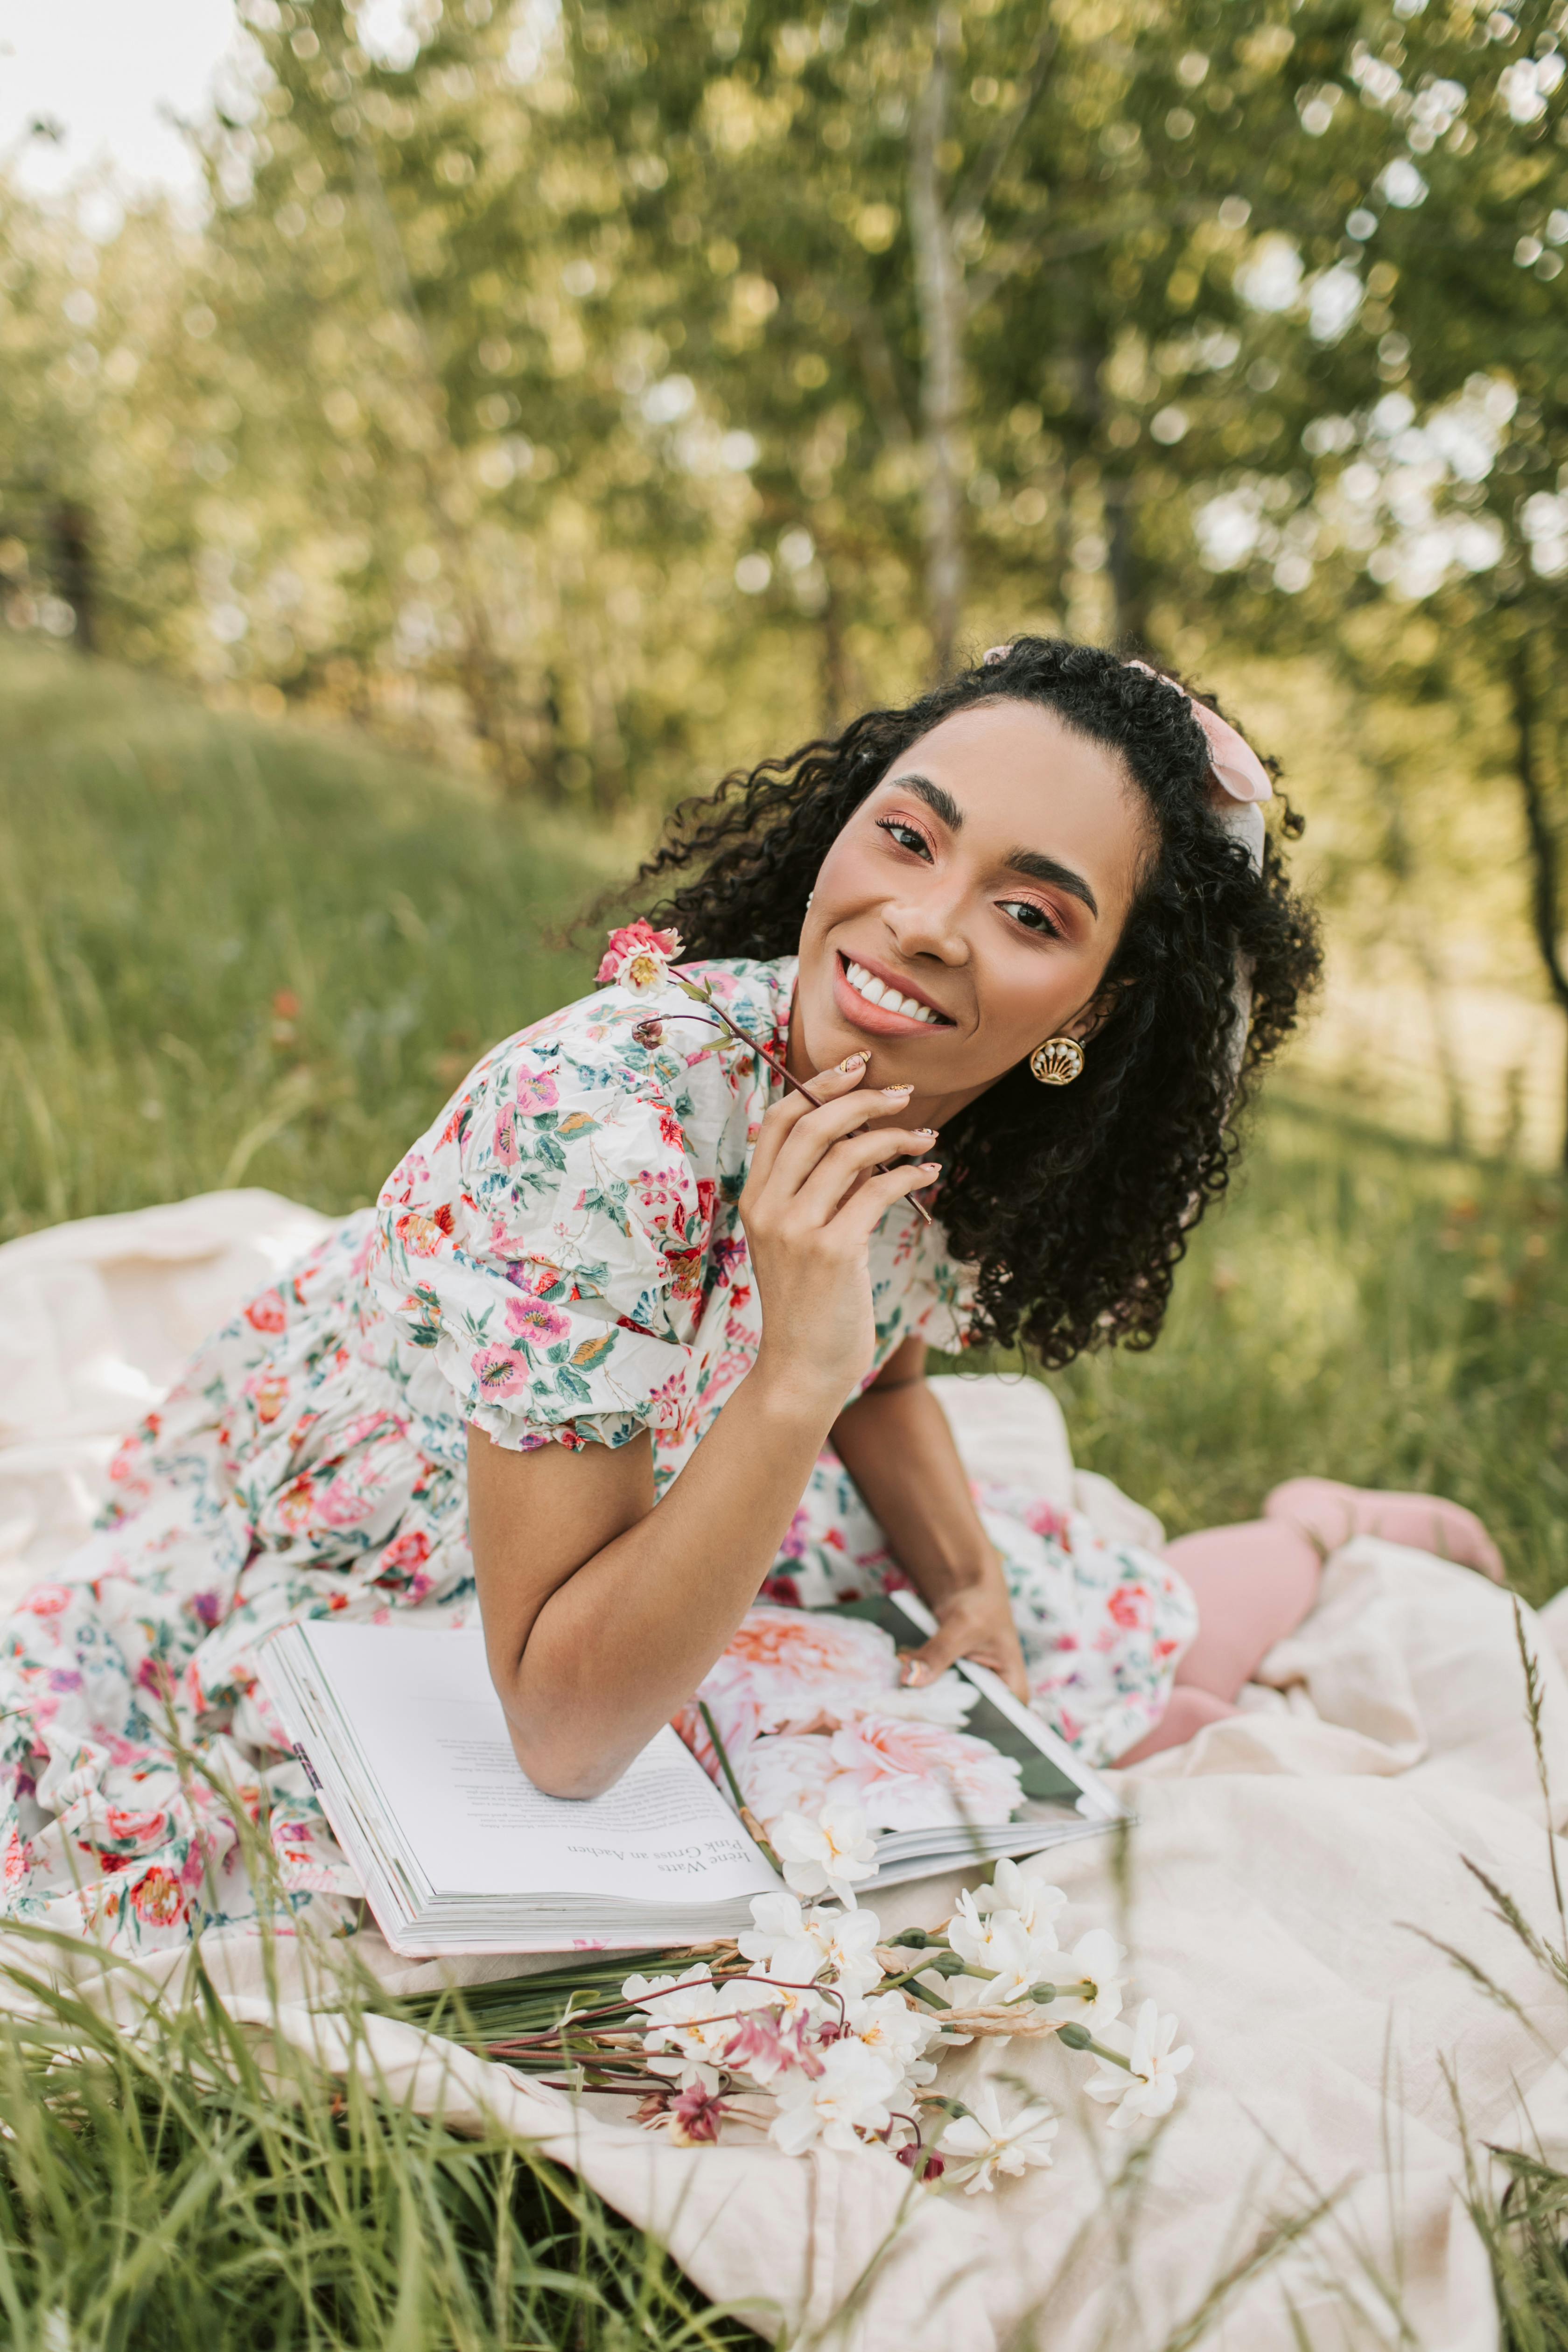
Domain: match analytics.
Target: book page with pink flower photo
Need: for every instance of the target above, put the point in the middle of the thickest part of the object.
(804, 1712)
(831, 1775)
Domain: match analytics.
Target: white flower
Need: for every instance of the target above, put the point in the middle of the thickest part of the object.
(824, 1855)
(1036, 1905)
(1149, 2088)
(885, 2022)
(982, 2144)
(851, 2094)
(1095, 1958)
(798, 1945)
(1000, 1943)
(675, 1995)
(779, 1942)
(691, 2018)
(848, 1941)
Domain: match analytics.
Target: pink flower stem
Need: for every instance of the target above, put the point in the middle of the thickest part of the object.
(778, 1070)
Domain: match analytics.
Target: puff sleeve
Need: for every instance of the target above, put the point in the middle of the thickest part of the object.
(539, 1246)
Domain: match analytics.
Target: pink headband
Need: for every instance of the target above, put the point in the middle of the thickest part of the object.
(1236, 765)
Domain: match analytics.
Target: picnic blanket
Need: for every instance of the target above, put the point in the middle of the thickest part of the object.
(1294, 1876)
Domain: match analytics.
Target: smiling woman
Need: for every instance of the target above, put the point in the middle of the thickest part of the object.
(636, 1331)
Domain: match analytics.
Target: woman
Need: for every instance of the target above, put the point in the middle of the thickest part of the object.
(1039, 939)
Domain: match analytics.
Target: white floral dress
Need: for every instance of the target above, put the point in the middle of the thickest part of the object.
(559, 1260)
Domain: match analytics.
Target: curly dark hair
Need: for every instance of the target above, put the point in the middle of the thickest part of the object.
(1075, 1203)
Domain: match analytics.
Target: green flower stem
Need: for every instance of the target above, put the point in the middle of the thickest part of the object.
(924, 1992)
(749, 1819)
(1078, 2037)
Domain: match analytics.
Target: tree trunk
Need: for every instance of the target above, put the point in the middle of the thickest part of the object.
(939, 285)
(1400, 860)
(1545, 850)
(1130, 620)
(485, 679)
(834, 665)
(70, 550)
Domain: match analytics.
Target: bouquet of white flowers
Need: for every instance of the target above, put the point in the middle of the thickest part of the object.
(813, 2029)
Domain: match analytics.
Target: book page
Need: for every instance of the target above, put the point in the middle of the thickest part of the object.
(421, 1710)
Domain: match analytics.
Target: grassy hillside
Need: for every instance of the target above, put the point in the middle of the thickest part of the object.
(233, 951)
(238, 951)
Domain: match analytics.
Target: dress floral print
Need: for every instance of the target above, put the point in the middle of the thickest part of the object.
(559, 1260)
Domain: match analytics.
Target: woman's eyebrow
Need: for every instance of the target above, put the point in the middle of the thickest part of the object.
(939, 803)
(1040, 868)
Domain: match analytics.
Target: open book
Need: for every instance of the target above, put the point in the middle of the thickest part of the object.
(403, 1735)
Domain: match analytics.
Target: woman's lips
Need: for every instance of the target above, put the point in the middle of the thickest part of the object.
(876, 1020)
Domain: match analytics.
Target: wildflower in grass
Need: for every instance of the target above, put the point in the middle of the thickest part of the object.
(1146, 2085)
(983, 2143)
(637, 958)
(827, 1854)
(852, 2094)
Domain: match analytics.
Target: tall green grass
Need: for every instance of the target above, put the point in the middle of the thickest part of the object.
(1362, 1307)
(234, 952)
(199, 2186)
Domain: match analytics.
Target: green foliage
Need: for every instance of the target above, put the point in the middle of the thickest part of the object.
(239, 952)
(239, 2195)
(1363, 1308)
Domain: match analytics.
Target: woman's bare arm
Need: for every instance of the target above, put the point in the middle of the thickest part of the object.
(602, 1613)
(896, 1445)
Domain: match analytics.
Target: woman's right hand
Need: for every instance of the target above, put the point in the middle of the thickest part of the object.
(813, 1200)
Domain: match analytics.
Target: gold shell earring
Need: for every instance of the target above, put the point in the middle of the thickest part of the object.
(1057, 1062)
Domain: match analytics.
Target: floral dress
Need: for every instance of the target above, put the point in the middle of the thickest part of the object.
(559, 1260)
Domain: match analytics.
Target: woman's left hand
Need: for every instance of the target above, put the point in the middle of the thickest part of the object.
(975, 1620)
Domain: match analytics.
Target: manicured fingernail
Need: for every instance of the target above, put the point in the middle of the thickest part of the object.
(911, 1674)
(923, 1131)
(898, 1090)
(853, 1062)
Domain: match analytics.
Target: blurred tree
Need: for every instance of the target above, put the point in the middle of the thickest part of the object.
(1422, 361)
(897, 242)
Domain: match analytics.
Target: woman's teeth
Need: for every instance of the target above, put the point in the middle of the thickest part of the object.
(875, 992)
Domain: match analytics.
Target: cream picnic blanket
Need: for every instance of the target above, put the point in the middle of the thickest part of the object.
(1287, 1873)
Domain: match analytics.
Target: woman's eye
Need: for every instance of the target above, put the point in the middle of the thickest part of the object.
(906, 835)
(1032, 917)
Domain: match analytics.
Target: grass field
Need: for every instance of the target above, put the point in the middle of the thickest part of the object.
(233, 951)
